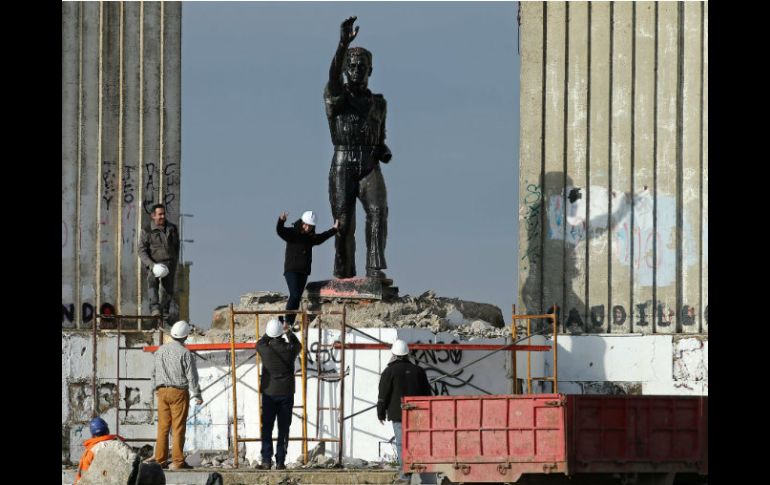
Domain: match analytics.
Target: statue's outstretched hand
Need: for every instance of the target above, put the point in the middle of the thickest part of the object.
(347, 33)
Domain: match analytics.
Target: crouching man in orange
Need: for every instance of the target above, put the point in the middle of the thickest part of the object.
(99, 432)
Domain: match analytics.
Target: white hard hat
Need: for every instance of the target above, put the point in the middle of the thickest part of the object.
(181, 329)
(399, 347)
(308, 217)
(160, 270)
(274, 328)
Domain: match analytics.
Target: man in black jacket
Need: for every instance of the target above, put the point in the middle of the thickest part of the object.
(277, 389)
(400, 378)
(299, 254)
(159, 251)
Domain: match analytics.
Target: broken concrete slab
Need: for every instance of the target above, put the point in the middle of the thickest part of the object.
(427, 311)
(113, 464)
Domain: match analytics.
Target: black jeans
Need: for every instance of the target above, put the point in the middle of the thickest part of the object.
(168, 289)
(296, 283)
(276, 407)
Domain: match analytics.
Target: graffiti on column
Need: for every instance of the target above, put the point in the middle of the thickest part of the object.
(531, 213)
(127, 180)
(151, 186)
(109, 185)
(86, 311)
(171, 181)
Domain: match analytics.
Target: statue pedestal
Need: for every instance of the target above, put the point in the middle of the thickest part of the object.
(356, 288)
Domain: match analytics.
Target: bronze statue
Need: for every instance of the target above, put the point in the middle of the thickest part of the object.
(357, 124)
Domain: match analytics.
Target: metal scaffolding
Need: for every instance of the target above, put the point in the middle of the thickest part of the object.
(342, 345)
(117, 320)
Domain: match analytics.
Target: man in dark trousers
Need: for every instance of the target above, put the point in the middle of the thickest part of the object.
(278, 349)
(300, 240)
(159, 252)
(400, 378)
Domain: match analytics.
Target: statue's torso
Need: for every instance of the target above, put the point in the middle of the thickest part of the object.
(356, 120)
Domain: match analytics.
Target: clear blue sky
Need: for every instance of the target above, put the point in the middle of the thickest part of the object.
(255, 142)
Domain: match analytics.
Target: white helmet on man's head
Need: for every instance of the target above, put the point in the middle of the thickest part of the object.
(274, 328)
(399, 348)
(308, 217)
(181, 329)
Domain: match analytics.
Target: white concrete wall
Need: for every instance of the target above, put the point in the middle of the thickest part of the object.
(609, 363)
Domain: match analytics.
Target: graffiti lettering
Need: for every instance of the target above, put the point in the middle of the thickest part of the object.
(665, 317)
(432, 356)
(170, 173)
(532, 208)
(641, 317)
(87, 311)
(574, 318)
(128, 186)
(618, 315)
(325, 355)
(597, 315)
(148, 198)
(108, 183)
(168, 199)
(688, 315)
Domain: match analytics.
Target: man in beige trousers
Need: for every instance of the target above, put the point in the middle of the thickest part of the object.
(176, 379)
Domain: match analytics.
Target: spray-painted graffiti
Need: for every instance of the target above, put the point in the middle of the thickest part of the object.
(128, 184)
(442, 379)
(437, 356)
(325, 354)
(532, 207)
(664, 316)
(152, 185)
(108, 183)
(86, 311)
(171, 180)
(647, 244)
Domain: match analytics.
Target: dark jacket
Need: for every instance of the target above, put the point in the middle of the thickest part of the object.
(159, 244)
(401, 378)
(299, 246)
(278, 357)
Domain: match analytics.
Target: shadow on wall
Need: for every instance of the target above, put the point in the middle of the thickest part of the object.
(557, 236)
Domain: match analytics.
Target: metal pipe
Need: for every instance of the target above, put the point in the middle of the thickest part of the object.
(319, 385)
(555, 353)
(529, 357)
(257, 360)
(342, 384)
(468, 347)
(303, 361)
(117, 378)
(235, 394)
(513, 351)
(95, 407)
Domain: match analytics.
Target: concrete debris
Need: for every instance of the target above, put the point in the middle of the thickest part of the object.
(355, 463)
(317, 450)
(427, 311)
(112, 464)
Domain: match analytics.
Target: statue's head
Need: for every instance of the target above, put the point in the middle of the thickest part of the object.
(358, 65)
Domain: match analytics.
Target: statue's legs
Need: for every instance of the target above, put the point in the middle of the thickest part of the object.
(373, 195)
(343, 187)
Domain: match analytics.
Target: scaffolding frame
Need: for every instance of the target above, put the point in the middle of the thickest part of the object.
(341, 344)
(119, 330)
(555, 349)
(303, 313)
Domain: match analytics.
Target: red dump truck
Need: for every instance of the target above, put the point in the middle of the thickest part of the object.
(552, 437)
